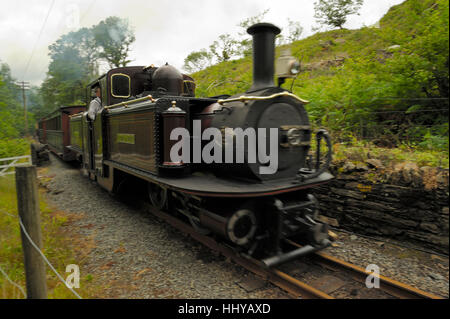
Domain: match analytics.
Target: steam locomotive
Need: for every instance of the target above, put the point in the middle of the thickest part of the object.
(239, 167)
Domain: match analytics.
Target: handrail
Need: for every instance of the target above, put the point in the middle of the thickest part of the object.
(244, 98)
(125, 104)
(77, 114)
(309, 174)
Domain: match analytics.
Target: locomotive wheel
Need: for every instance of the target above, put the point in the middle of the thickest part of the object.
(241, 227)
(157, 195)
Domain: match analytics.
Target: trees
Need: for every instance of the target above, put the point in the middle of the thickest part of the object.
(75, 57)
(334, 12)
(224, 48)
(72, 65)
(113, 38)
(78, 44)
(11, 111)
(7, 130)
(245, 44)
(294, 32)
(227, 46)
(197, 61)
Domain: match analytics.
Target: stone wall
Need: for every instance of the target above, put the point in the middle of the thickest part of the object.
(404, 202)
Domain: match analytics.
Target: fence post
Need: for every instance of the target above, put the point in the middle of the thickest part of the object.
(28, 207)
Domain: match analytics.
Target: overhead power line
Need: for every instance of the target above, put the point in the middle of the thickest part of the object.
(87, 11)
(37, 40)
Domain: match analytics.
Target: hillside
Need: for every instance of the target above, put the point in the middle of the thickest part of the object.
(387, 83)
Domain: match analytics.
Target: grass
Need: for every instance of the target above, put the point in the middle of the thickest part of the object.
(59, 245)
(14, 147)
(349, 94)
(359, 151)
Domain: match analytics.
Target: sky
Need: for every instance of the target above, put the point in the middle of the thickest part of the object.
(166, 31)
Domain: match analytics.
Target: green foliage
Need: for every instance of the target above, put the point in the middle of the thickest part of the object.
(197, 61)
(245, 44)
(388, 87)
(228, 47)
(295, 31)
(355, 150)
(12, 123)
(421, 65)
(435, 142)
(75, 57)
(14, 147)
(379, 92)
(58, 247)
(67, 77)
(334, 12)
(224, 78)
(113, 37)
(224, 48)
(35, 104)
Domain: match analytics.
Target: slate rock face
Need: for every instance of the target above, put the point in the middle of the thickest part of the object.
(404, 202)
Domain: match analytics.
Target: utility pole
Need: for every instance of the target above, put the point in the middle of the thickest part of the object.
(24, 86)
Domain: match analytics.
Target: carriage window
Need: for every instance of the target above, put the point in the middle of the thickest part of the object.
(120, 85)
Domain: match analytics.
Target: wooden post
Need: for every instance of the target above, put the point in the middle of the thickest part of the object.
(25, 86)
(28, 207)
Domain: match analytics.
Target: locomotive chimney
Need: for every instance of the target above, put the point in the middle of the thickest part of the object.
(263, 54)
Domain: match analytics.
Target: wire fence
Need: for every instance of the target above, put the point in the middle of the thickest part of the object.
(407, 127)
(43, 257)
(13, 283)
(395, 126)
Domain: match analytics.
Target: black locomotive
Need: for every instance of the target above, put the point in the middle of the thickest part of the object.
(250, 202)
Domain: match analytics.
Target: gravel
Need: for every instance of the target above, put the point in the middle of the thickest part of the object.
(136, 255)
(419, 269)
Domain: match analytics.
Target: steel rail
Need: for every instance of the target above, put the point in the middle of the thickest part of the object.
(293, 286)
(388, 285)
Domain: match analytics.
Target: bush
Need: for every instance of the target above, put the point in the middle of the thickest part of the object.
(14, 147)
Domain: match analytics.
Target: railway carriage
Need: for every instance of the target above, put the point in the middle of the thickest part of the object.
(54, 131)
(237, 200)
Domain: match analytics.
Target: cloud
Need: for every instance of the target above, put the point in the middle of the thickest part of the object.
(166, 31)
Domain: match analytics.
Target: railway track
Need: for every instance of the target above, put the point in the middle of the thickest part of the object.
(326, 277)
(393, 287)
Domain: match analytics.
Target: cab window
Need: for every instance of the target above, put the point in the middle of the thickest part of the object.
(120, 85)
